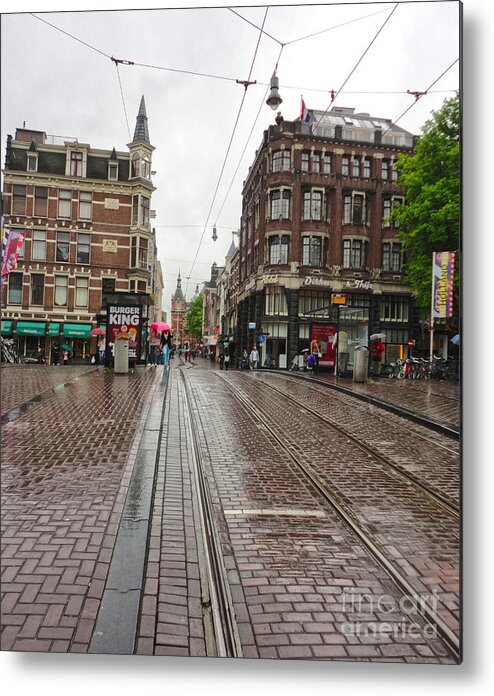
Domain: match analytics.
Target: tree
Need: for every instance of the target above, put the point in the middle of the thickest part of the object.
(429, 219)
(193, 318)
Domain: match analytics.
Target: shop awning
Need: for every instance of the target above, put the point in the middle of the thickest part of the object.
(77, 330)
(6, 327)
(53, 329)
(31, 328)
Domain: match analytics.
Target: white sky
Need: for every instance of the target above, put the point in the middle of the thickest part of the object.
(54, 83)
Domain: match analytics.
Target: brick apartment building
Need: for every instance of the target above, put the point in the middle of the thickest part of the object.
(317, 252)
(87, 215)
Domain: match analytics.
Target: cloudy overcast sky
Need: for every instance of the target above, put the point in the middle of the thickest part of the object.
(58, 77)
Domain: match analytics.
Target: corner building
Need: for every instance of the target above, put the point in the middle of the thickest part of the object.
(317, 254)
(86, 214)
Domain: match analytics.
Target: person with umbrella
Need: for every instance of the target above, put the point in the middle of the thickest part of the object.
(65, 353)
(376, 351)
(101, 334)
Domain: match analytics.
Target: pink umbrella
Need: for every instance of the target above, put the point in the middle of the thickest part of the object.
(97, 332)
(160, 326)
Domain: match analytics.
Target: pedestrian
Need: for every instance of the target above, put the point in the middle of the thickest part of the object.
(311, 362)
(245, 360)
(315, 349)
(221, 360)
(65, 357)
(254, 358)
(227, 361)
(55, 354)
(376, 351)
(154, 345)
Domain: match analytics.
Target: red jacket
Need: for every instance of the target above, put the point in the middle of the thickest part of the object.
(377, 349)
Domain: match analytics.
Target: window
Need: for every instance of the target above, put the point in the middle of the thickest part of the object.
(356, 166)
(275, 302)
(314, 251)
(63, 246)
(367, 167)
(61, 286)
(140, 210)
(308, 301)
(278, 246)
(313, 205)
(389, 204)
(76, 164)
(280, 204)
(83, 245)
(81, 291)
(143, 253)
(22, 250)
(64, 203)
(107, 288)
(394, 308)
(354, 209)
(38, 251)
(392, 257)
(281, 161)
(18, 199)
(145, 168)
(113, 171)
(32, 162)
(41, 201)
(85, 205)
(394, 172)
(15, 288)
(354, 253)
(384, 170)
(345, 165)
(305, 162)
(37, 288)
(140, 166)
(326, 160)
(316, 162)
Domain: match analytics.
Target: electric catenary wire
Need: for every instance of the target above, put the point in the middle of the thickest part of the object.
(228, 149)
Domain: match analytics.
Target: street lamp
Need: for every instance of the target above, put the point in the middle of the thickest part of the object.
(274, 99)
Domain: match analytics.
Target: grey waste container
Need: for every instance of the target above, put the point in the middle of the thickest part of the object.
(360, 364)
(121, 364)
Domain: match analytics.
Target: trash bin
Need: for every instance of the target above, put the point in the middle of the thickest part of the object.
(121, 364)
(360, 364)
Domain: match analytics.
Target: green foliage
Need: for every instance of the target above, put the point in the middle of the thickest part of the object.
(193, 318)
(429, 220)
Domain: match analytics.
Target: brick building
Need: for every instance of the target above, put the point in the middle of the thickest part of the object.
(86, 213)
(317, 253)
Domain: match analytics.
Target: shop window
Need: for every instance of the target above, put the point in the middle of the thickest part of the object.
(275, 302)
(394, 308)
(311, 300)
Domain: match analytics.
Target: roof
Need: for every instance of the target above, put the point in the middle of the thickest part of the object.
(141, 133)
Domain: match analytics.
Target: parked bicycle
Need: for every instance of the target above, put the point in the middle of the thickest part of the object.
(9, 351)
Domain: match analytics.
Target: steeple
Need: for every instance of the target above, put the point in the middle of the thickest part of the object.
(179, 296)
(141, 133)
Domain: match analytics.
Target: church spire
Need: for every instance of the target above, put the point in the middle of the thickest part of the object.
(141, 133)
(178, 292)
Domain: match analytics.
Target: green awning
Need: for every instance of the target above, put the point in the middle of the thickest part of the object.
(31, 328)
(77, 330)
(6, 327)
(53, 328)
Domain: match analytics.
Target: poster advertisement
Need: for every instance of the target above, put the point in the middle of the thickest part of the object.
(324, 334)
(125, 320)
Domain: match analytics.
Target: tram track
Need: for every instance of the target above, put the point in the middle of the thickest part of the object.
(445, 502)
(400, 580)
(222, 636)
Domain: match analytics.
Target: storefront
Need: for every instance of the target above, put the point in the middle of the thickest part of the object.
(78, 337)
(30, 338)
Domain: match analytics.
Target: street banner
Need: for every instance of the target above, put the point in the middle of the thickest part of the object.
(443, 266)
(11, 246)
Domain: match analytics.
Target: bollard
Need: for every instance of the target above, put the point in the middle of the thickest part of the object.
(360, 364)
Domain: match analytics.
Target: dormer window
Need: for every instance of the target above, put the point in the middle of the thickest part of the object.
(113, 171)
(76, 163)
(140, 167)
(32, 162)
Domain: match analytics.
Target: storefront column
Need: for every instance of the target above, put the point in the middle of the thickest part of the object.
(293, 324)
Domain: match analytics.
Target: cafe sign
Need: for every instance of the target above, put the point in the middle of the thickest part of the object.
(315, 280)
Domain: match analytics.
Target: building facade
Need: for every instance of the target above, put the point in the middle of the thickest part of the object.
(86, 215)
(318, 254)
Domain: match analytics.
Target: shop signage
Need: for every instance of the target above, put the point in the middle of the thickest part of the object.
(315, 280)
(252, 324)
(359, 284)
(338, 298)
(125, 320)
(270, 279)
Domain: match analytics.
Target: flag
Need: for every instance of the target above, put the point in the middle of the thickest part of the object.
(443, 266)
(305, 117)
(11, 246)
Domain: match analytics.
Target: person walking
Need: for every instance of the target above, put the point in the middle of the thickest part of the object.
(227, 361)
(221, 360)
(245, 360)
(254, 358)
(315, 349)
(376, 351)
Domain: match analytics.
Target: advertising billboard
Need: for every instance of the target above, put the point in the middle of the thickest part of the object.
(126, 320)
(324, 334)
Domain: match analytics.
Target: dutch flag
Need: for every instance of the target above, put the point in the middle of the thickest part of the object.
(304, 113)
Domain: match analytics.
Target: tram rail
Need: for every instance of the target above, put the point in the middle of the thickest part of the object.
(450, 638)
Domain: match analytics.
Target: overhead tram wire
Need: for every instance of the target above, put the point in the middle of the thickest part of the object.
(419, 95)
(246, 84)
(62, 31)
(357, 63)
(123, 101)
